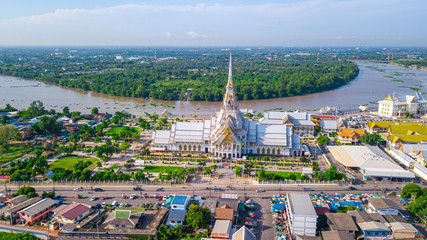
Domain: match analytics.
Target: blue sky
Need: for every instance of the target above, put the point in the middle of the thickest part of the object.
(214, 23)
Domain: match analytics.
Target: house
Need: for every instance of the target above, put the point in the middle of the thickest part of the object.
(383, 206)
(302, 217)
(73, 127)
(300, 122)
(7, 211)
(176, 217)
(381, 127)
(350, 135)
(405, 231)
(224, 212)
(73, 213)
(211, 204)
(16, 200)
(122, 219)
(420, 157)
(406, 134)
(399, 106)
(180, 202)
(337, 235)
(222, 229)
(374, 230)
(341, 222)
(243, 234)
(37, 211)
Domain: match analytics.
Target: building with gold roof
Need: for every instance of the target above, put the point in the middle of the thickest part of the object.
(406, 134)
(379, 127)
(394, 106)
(230, 134)
(350, 135)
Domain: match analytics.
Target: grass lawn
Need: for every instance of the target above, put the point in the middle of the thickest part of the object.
(68, 162)
(132, 209)
(283, 174)
(160, 168)
(118, 130)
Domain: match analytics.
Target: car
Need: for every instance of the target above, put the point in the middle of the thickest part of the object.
(137, 189)
(121, 205)
(392, 193)
(159, 189)
(260, 190)
(93, 198)
(97, 206)
(133, 196)
(103, 204)
(115, 203)
(385, 189)
(77, 189)
(164, 198)
(124, 196)
(308, 189)
(98, 189)
(352, 188)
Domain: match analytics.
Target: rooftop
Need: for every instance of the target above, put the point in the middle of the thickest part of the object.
(177, 215)
(224, 213)
(301, 204)
(243, 234)
(381, 203)
(372, 226)
(180, 200)
(122, 213)
(341, 222)
(73, 211)
(222, 226)
(39, 206)
(337, 235)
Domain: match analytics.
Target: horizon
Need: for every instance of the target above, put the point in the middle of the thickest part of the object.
(192, 23)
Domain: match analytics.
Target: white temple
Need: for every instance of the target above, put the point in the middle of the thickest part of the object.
(230, 134)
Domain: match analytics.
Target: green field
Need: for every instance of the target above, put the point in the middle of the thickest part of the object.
(118, 130)
(161, 168)
(12, 153)
(132, 209)
(68, 163)
(283, 174)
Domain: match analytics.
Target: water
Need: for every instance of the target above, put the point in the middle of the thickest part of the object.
(374, 82)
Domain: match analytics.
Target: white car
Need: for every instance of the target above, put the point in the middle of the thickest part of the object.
(121, 205)
(133, 196)
(77, 189)
(103, 204)
(93, 198)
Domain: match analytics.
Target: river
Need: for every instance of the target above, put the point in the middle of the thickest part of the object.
(374, 82)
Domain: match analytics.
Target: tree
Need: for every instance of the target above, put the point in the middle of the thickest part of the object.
(331, 174)
(208, 170)
(198, 216)
(47, 125)
(124, 146)
(66, 112)
(237, 171)
(411, 188)
(7, 133)
(371, 139)
(322, 140)
(94, 110)
(29, 191)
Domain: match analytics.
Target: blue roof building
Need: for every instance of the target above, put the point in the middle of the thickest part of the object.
(176, 217)
(180, 202)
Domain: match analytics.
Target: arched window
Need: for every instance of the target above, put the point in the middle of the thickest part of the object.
(180, 147)
(263, 150)
(257, 150)
(273, 151)
(185, 147)
(278, 151)
(199, 148)
(268, 151)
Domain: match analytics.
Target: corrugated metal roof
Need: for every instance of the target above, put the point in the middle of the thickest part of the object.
(38, 207)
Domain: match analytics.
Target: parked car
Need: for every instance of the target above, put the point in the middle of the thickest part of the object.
(260, 190)
(93, 198)
(115, 203)
(308, 189)
(159, 189)
(77, 189)
(103, 204)
(133, 196)
(121, 205)
(352, 188)
(98, 189)
(392, 193)
(138, 189)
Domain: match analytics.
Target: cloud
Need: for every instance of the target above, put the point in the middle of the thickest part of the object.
(168, 34)
(196, 35)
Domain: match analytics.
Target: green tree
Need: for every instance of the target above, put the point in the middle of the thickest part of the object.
(411, 188)
(94, 110)
(29, 191)
(371, 139)
(66, 112)
(237, 171)
(7, 134)
(322, 140)
(197, 216)
(47, 125)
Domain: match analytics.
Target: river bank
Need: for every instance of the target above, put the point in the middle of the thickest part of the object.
(414, 67)
(374, 82)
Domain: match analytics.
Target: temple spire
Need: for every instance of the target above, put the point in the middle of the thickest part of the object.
(230, 83)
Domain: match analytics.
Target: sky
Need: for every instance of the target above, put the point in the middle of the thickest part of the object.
(288, 23)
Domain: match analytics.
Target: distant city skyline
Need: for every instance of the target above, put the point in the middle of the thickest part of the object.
(299, 23)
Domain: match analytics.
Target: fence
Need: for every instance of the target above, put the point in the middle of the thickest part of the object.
(73, 182)
(103, 235)
(303, 182)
